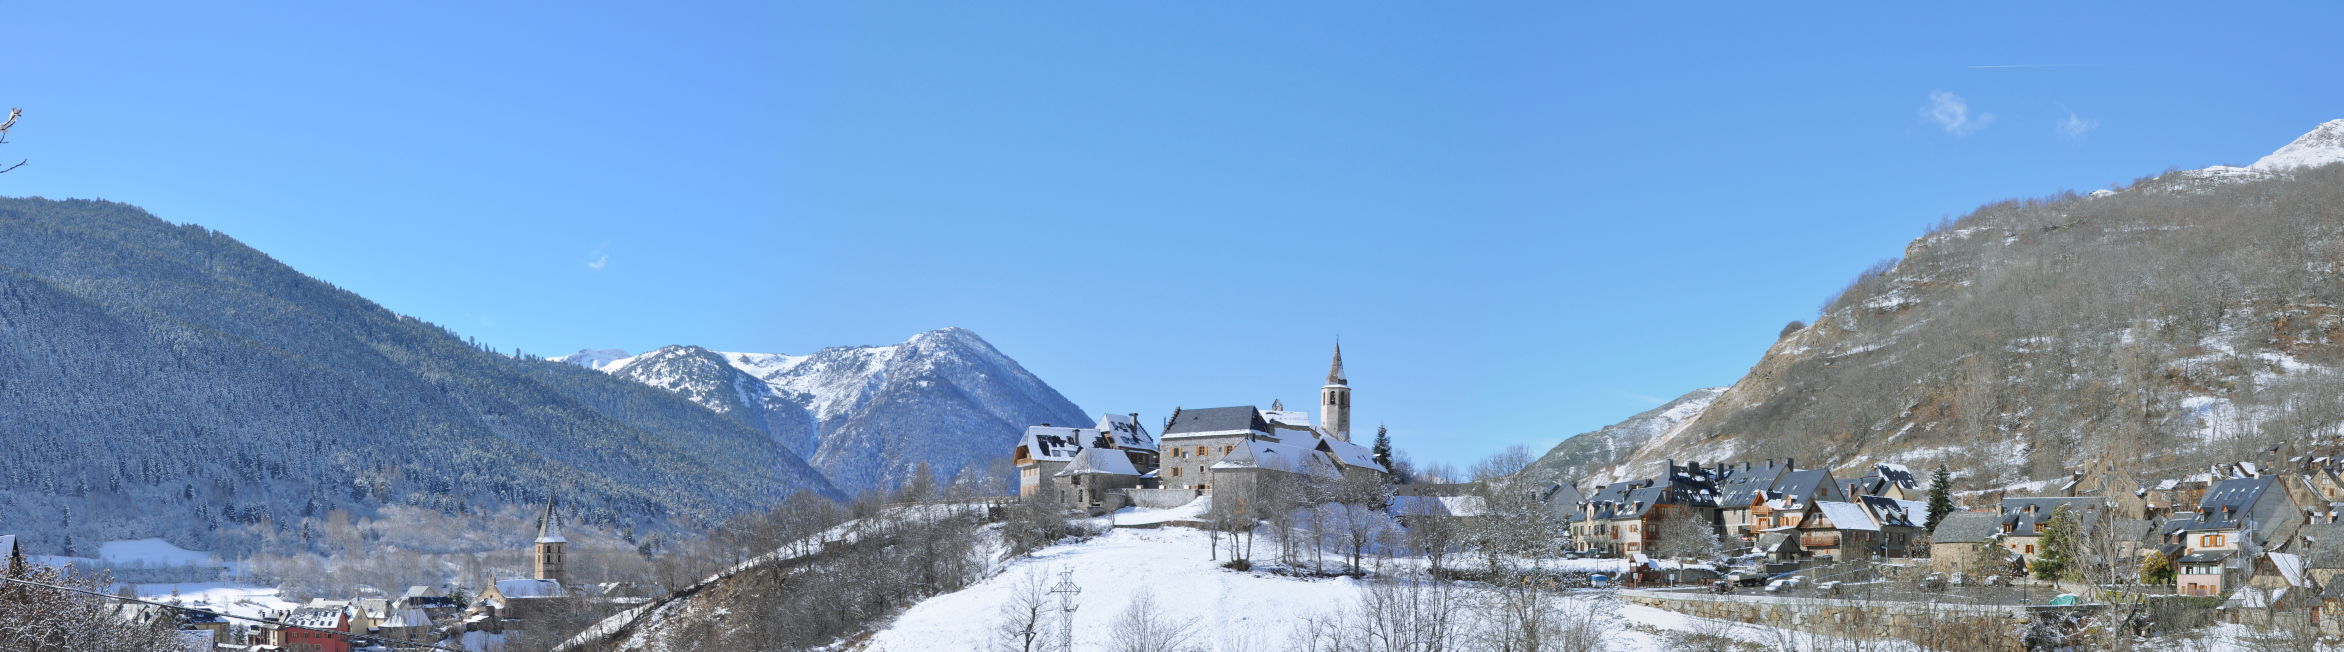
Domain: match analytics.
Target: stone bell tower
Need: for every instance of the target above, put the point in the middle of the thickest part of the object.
(548, 562)
(1335, 399)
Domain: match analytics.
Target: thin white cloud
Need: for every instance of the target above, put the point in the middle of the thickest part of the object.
(1952, 113)
(599, 261)
(2027, 65)
(2075, 126)
(1647, 399)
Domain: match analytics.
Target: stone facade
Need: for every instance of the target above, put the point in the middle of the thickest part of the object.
(1188, 460)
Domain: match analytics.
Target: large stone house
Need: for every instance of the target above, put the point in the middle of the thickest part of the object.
(1954, 545)
(1625, 518)
(1046, 450)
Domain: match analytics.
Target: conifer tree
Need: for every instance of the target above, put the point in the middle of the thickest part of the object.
(1940, 496)
(1383, 446)
(2059, 546)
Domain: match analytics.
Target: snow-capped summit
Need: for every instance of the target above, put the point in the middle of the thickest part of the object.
(593, 358)
(2322, 146)
(865, 415)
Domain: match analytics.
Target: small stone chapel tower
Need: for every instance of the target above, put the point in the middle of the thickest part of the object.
(1335, 399)
(549, 547)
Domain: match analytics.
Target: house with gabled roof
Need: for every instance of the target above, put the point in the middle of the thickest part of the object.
(2234, 524)
(1623, 518)
(1954, 545)
(1045, 450)
(1838, 530)
(1741, 489)
(1094, 475)
(2021, 520)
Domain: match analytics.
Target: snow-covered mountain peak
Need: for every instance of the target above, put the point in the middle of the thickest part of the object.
(2322, 146)
(593, 358)
(851, 406)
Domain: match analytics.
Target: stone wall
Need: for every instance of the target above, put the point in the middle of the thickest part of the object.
(1982, 626)
(1159, 498)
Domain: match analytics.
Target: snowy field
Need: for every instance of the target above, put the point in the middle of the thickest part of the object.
(1232, 610)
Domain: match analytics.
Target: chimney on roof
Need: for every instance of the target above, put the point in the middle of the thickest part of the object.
(1789, 463)
(1668, 466)
(1045, 424)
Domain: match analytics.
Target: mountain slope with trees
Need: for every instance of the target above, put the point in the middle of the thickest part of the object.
(2196, 315)
(170, 381)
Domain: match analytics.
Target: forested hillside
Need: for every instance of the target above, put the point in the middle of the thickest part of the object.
(164, 380)
(2193, 316)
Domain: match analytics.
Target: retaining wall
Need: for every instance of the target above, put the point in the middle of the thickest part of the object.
(1866, 619)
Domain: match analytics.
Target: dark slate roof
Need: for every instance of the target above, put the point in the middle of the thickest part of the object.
(1635, 498)
(1966, 527)
(2020, 521)
(1896, 473)
(1890, 512)
(1431, 489)
(1219, 419)
(1562, 493)
(2227, 505)
(1740, 488)
(2136, 529)
(2205, 557)
(1800, 486)
(1864, 486)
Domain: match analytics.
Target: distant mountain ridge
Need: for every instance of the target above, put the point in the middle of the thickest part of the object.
(866, 416)
(1580, 457)
(165, 380)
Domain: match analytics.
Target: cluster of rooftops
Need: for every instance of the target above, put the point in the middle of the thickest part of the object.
(1274, 439)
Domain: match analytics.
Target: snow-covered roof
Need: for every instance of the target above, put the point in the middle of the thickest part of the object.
(2290, 567)
(1127, 431)
(1846, 516)
(317, 617)
(1054, 443)
(404, 617)
(1099, 461)
(1275, 456)
(1296, 419)
(529, 588)
(1350, 454)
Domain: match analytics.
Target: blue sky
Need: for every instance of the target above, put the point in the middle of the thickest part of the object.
(1523, 220)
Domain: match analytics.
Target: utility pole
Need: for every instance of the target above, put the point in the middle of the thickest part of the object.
(1066, 590)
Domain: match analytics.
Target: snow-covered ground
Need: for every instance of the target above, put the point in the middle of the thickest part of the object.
(1231, 610)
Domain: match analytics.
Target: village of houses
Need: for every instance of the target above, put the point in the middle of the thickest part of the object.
(2252, 542)
(2255, 542)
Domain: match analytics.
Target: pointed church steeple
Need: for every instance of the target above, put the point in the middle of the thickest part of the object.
(1335, 399)
(548, 560)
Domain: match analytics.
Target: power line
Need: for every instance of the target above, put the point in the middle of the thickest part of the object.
(166, 605)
